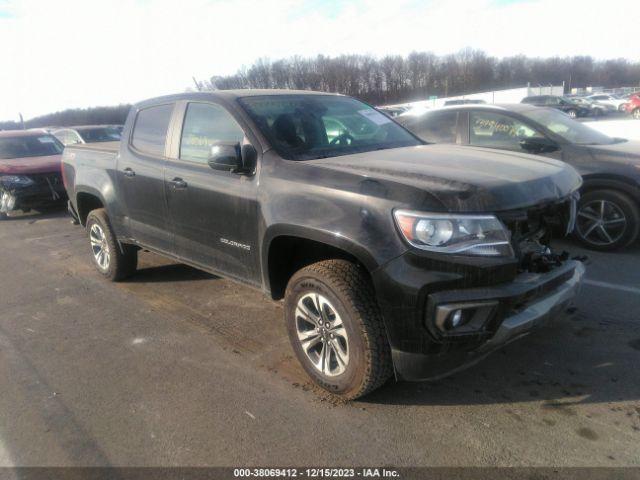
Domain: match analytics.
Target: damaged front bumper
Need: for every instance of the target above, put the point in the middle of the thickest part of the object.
(528, 303)
(499, 307)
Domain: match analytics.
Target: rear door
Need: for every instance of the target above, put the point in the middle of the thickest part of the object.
(214, 214)
(141, 178)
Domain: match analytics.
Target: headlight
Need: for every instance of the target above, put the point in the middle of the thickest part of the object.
(482, 235)
(16, 180)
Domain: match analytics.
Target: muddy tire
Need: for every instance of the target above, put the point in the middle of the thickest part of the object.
(607, 220)
(336, 328)
(112, 261)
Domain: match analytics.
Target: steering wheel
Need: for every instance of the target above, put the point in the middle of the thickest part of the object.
(342, 139)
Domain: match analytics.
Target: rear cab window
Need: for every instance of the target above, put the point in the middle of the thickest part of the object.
(150, 129)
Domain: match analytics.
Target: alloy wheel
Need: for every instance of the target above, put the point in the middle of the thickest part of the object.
(322, 334)
(636, 114)
(572, 113)
(99, 246)
(601, 222)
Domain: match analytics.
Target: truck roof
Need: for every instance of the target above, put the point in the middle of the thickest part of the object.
(228, 95)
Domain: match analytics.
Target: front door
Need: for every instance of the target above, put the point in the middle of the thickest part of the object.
(141, 179)
(214, 214)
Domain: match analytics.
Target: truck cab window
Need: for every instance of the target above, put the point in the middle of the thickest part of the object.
(204, 125)
(150, 130)
(496, 130)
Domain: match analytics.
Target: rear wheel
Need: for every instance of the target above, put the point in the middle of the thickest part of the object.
(572, 113)
(636, 114)
(336, 330)
(110, 260)
(607, 220)
(621, 107)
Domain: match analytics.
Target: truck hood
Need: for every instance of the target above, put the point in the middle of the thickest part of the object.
(465, 179)
(27, 165)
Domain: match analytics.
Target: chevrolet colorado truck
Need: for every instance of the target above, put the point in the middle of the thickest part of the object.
(393, 257)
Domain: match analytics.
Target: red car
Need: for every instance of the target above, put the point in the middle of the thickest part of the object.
(633, 106)
(30, 170)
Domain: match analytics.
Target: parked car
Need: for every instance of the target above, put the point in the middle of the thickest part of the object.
(609, 208)
(450, 103)
(88, 134)
(392, 256)
(30, 172)
(632, 105)
(563, 104)
(596, 108)
(617, 103)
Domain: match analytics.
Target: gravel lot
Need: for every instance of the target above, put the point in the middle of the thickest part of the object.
(178, 367)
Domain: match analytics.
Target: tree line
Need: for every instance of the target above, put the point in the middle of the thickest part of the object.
(397, 79)
(390, 79)
(114, 115)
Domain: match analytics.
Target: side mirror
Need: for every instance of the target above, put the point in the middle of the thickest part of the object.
(249, 157)
(231, 157)
(225, 156)
(538, 145)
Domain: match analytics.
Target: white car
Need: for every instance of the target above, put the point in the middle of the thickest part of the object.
(608, 100)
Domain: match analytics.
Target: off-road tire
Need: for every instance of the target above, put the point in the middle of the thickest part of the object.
(349, 290)
(123, 261)
(631, 212)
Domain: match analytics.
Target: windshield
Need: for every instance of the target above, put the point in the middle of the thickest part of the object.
(29, 146)
(572, 131)
(101, 134)
(306, 127)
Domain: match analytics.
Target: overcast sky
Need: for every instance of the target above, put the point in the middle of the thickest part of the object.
(78, 53)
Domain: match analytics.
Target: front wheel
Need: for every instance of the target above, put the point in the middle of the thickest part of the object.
(336, 329)
(572, 113)
(636, 114)
(607, 220)
(621, 107)
(113, 262)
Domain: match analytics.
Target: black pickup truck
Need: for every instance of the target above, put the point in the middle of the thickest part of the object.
(392, 256)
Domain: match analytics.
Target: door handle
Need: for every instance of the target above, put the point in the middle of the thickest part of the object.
(129, 173)
(178, 184)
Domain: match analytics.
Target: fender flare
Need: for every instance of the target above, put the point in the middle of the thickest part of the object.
(332, 239)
